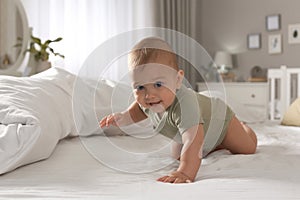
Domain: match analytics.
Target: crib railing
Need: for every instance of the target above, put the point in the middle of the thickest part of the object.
(284, 88)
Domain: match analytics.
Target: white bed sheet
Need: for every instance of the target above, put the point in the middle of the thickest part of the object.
(71, 172)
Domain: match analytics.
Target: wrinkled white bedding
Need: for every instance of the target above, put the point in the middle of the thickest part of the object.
(38, 111)
(71, 172)
(35, 113)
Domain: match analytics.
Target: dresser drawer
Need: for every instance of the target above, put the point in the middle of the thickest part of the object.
(248, 94)
(248, 100)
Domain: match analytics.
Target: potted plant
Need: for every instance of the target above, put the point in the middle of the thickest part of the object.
(40, 50)
(39, 54)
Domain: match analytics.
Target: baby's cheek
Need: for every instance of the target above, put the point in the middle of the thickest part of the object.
(140, 100)
(170, 87)
(137, 95)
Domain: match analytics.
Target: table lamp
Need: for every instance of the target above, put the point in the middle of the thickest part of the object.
(223, 61)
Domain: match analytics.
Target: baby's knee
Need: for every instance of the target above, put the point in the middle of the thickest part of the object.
(251, 150)
(251, 133)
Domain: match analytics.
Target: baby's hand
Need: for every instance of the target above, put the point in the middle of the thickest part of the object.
(115, 119)
(175, 177)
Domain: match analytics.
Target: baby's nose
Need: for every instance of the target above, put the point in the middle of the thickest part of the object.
(150, 93)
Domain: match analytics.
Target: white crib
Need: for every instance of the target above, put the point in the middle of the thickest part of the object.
(284, 89)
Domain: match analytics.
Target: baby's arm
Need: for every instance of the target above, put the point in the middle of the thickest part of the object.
(190, 159)
(176, 150)
(131, 115)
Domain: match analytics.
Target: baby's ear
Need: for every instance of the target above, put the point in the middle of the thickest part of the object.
(180, 76)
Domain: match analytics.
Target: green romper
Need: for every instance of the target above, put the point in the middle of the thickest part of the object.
(189, 109)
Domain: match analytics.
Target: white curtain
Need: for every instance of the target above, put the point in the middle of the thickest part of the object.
(85, 24)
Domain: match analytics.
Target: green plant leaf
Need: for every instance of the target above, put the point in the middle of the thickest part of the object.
(40, 50)
(36, 40)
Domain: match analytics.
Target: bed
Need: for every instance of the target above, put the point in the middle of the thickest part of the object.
(67, 169)
(71, 172)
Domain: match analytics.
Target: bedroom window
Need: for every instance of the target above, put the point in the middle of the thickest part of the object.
(83, 24)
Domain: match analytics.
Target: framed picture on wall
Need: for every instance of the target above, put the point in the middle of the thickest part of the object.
(294, 33)
(275, 46)
(253, 41)
(273, 22)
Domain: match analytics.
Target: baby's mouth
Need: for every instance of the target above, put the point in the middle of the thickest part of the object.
(154, 103)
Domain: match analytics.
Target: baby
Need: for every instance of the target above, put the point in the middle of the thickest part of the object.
(197, 124)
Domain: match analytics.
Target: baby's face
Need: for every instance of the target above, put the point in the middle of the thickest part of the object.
(155, 85)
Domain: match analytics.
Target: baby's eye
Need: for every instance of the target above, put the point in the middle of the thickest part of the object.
(158, 84)
(139, 87)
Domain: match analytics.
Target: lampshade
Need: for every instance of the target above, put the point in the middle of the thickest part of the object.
(223, 59)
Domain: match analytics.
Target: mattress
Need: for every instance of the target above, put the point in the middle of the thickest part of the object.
(72, 171)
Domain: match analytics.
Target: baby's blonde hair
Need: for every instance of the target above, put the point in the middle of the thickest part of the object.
(152, 50)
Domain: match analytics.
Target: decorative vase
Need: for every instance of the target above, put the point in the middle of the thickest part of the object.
(31, 66)
(42, 66)
(34, 67)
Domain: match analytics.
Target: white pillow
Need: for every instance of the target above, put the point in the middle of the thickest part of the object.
(92, 100)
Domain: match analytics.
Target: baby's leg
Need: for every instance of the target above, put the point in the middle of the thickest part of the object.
(239, 139)
(176, 150)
